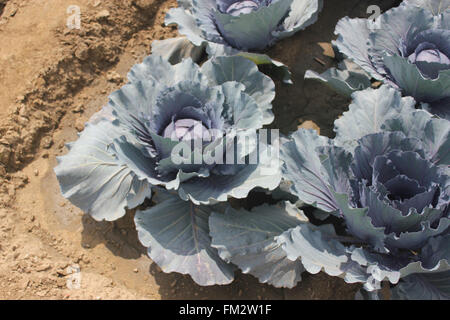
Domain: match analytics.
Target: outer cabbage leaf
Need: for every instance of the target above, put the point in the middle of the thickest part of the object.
(316, 249)
(280, 70)
(368, 112)
(315, 176)
(184, 19)
(344, 82)
(408, 77)
(94, 178)
(302, 15)
(250, 241)
(352, 42)
(175, 50)
(176, 233)
(155, 68)
(321, 249)
(433, 259)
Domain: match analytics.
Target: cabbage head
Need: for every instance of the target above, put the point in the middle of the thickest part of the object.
(407, 47)
(194, 112)
(386, 178)
(230, 26)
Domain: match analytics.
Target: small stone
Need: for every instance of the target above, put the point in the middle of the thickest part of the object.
(102, 15)
(78, 109)
(47, 142)
(36, 172)
(376, 84)
(79, 125)
(310, 125)
(82, 52)
(12, 11)
(136, 270)
(114, 77)
(327, 49)
(42, 268)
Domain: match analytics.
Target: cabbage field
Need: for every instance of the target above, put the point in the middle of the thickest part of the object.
(225, 149)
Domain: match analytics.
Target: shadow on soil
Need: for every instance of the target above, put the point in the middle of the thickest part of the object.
(120, 236)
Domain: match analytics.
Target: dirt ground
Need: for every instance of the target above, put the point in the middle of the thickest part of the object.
(52, 80)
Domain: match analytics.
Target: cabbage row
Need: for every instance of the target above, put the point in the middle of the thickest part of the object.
(370, 205)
